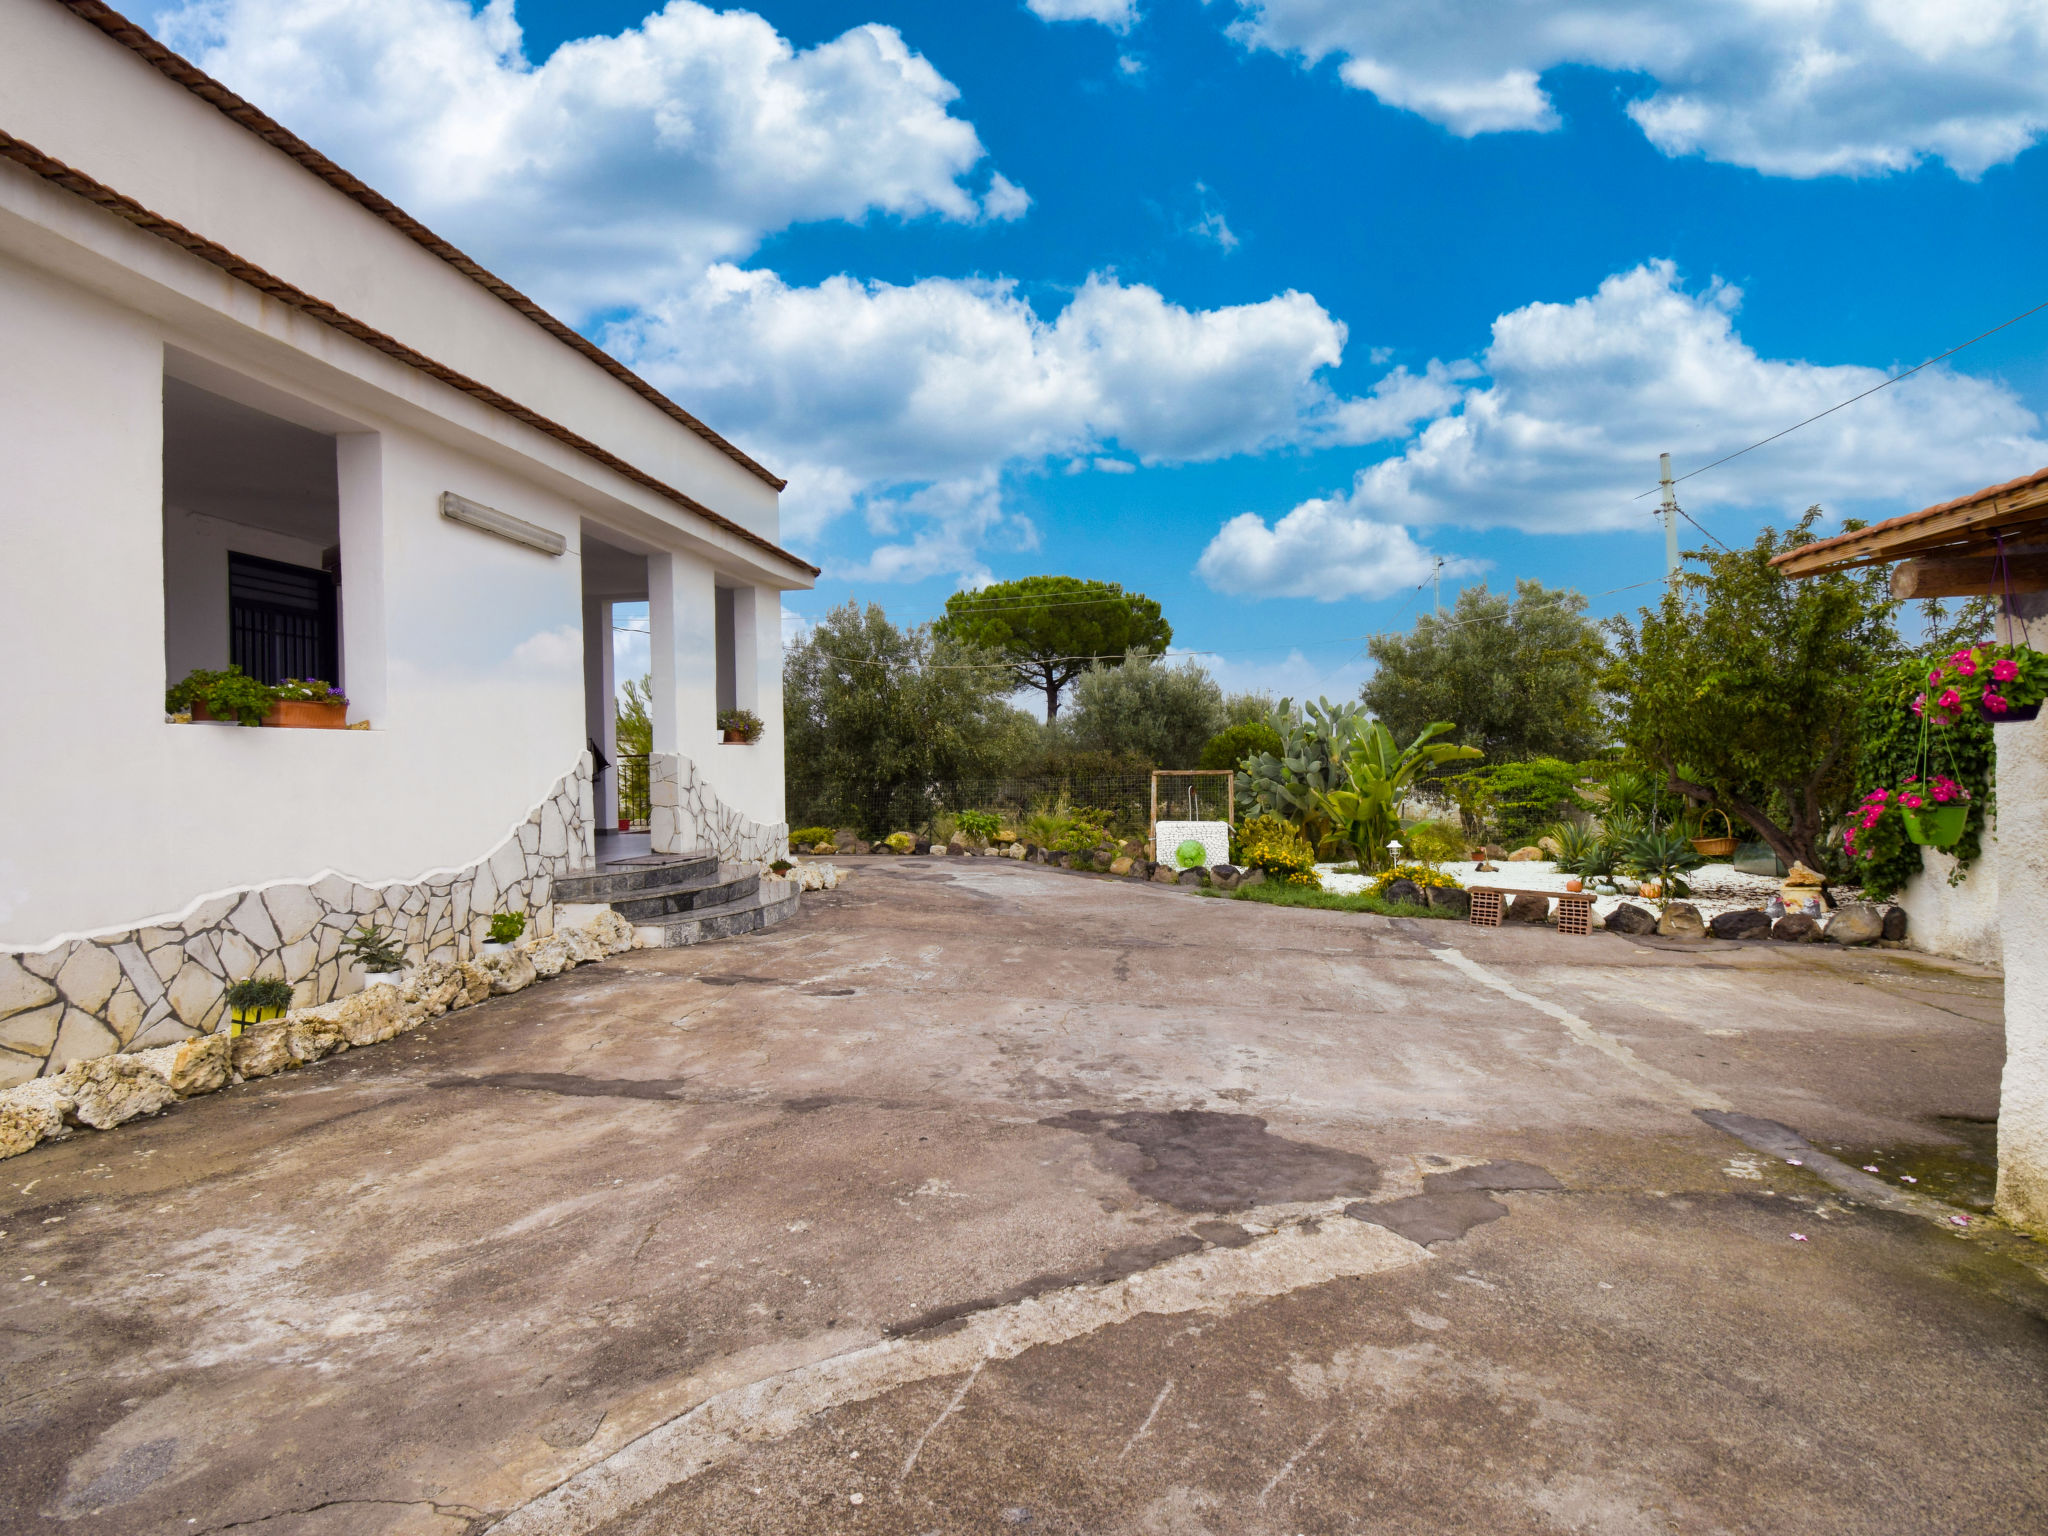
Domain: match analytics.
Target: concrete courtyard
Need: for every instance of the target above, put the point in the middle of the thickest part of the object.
(983, 1197)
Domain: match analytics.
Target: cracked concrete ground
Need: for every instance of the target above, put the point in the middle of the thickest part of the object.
(984, 1197)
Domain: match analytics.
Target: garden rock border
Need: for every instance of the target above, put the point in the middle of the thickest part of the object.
(107, 1091)
(162, 981)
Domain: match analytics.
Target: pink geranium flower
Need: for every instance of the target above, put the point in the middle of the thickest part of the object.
(1997, 703)
(1950, 699)
(2005, 670)
(1966, 667)
(1911, 802)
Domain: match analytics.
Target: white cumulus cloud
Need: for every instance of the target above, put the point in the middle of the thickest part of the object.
(1322, 549)
(619, 160)
(903, 400)
(1814, 88)
(1117, 15)
(1570, 406)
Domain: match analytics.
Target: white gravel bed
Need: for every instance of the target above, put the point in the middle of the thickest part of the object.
(1716, 888)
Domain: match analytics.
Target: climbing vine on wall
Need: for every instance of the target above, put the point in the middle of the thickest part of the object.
(1893, 753)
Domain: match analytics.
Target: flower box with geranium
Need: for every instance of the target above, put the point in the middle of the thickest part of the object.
(2000, 682)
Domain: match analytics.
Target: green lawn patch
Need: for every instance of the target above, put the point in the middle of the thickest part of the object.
(1274, 894)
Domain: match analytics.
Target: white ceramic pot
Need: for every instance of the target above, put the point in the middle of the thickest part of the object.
(382, 978)
(496, 949)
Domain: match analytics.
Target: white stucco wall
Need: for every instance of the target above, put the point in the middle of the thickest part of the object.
(2023, 919)
(1957, 920)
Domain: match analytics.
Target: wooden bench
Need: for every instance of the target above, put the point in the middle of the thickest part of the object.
(1574, 908)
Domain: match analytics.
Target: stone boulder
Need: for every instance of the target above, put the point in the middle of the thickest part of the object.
(1224, 877)
(1120, 865)
(1522, 855)
(1746, 924)
(1796, 928)
(23, 1123)
(1165, 874)
(371, 1015)
(610, 932)
(1251, 877)
(112, 1090)
(309, 1037)
(1454, 899)
(844, 837)
(509, 972)
(260, 1050)
(191, 1067)
(1404, 891)
(829, 848)
(920, 845)
(858, 848)
(956, 848)
(1855, 922)
(1895, 924)
(1681, 920)
(1631, 919)
(1526, 909)
(1190, 877)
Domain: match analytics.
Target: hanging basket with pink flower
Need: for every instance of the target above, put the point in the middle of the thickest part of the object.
(2002, 683)
(1932, 812)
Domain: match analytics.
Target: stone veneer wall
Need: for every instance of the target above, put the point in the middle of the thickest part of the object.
(164, 981)
(685, 814)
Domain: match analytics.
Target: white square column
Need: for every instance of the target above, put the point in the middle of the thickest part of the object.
(2022, 756)
(682, 617)
(359, 482)
(600, 705)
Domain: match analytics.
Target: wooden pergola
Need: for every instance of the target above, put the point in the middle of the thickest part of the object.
(1987, 543)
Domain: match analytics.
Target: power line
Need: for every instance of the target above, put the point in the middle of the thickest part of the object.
(1887, 384)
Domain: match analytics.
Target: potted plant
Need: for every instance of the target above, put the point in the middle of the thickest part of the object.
(2003, 683)
(1936, 812)
(229, 695)
(504, 932)
(739, 725)
(256, 999)
(378, 952)
(1662, 857)
(308, 703)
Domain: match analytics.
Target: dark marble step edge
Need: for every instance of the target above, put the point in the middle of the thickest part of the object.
(653, 906)
(610, 884)
(749, 916)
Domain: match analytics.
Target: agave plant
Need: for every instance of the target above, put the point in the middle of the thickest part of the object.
(1579, 849)
(1665, 856)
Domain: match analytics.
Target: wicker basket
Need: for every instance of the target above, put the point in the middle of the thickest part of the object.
(1716, 847)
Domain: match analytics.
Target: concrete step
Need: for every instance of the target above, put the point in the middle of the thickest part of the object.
(634, 877)
(650, 904)
(765, 906)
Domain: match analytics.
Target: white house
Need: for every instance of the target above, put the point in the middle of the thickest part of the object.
(251, 412)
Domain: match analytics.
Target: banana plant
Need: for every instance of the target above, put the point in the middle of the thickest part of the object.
(1310, 761)
(1366, 813)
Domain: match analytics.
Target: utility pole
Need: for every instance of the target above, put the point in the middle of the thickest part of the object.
(1670, 518)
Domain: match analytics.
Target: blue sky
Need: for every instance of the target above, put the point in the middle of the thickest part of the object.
(1256, 307)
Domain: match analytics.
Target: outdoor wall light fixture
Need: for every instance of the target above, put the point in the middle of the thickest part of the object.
(474, 514)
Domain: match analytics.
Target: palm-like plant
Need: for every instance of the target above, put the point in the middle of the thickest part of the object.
(1579, 849)
(1665, 856)
(1366, 813)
